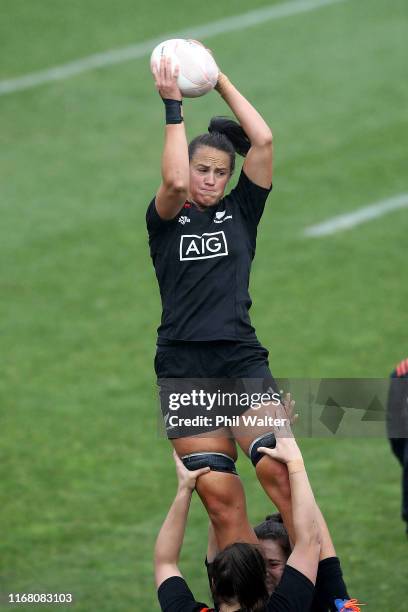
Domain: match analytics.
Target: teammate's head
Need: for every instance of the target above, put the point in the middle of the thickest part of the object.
(275, 545)
(212, 159)
(238, 577)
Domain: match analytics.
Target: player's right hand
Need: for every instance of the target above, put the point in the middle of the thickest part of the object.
(286, 450)
(166, 80)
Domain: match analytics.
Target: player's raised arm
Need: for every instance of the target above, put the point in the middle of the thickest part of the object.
(305, 555)
(258, 162)
(173, 191)
(170, 538)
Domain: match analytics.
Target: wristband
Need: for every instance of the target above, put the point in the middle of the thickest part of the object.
(173, 111)
(296, 465)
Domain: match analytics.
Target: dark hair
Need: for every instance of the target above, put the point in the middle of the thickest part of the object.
(225, 135)
(238, 574)
(273, 528)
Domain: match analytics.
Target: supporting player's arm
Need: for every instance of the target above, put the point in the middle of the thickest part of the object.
(305, 554)
(175, 171)
(171, 535)
(258, 162)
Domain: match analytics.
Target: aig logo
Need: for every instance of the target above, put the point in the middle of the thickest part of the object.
(206, 246)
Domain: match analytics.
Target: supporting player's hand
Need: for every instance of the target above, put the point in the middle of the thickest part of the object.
(187, 478)
(166, 80)
(289, 407)
(286, 450)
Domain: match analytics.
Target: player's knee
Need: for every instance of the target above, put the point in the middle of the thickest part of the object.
(220, 509)
(226, 507)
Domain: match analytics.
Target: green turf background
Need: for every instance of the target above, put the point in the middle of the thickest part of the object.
(85, 478)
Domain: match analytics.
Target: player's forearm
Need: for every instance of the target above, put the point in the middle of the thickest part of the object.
(175, 162)
(256, 128)
(326, 543)
(303, 504)
(170, 538)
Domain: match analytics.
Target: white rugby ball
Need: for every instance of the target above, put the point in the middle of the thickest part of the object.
(198, 69)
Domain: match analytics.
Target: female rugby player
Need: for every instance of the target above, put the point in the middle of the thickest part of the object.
(202, 243)
(238, 574)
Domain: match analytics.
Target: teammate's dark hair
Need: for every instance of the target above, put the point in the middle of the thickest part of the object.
(225, 135)
(272, 528)
(238, 574)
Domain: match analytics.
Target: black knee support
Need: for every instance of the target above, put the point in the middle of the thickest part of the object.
(218, 462)
(267, 439)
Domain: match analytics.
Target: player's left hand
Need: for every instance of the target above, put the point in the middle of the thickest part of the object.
(187, 478)
(221, 77)
(200, 43)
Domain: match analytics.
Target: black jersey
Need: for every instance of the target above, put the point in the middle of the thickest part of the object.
(294, 593)
(203, 260)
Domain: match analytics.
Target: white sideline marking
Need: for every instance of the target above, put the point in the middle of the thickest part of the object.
(116, 56)
(345, 222)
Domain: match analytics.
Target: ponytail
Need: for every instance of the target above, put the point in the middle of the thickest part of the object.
(225, 135)
(233, 131)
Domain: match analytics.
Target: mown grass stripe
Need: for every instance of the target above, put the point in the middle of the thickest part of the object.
(341, 223)
(117, 56)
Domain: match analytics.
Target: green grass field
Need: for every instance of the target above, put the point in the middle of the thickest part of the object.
(85, 477)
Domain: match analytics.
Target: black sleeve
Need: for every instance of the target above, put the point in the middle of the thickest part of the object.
(294, 593)
(251, 199)
(329, 585)
(175, 596)
(209, 567)
(397, 406)
(154, 222)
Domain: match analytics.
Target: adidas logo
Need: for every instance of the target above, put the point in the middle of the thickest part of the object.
(166, 422)
(183, 219)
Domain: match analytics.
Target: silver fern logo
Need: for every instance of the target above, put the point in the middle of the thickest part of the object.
(183, 220)
(220, 216)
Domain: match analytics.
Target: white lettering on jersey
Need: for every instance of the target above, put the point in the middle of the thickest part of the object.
(208, 245)
(213, 244)
(192, 247)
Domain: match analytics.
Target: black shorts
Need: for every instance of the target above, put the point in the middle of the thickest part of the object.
(218, 380)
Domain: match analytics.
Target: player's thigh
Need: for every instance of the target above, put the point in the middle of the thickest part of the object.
(219, 490)
(219, 441)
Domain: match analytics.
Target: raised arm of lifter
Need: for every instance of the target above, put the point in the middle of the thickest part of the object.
(305, 555)
(258, 162)
(170, 538)
(173, 190)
